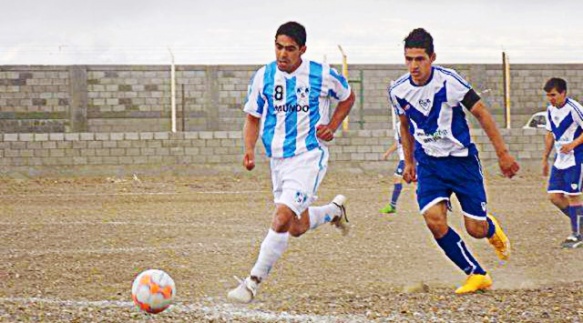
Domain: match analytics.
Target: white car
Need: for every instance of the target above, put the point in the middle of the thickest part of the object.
(537, 120)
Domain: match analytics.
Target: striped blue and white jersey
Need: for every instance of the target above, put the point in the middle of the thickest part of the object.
(435, 112)
(292, 105)
(566, 124)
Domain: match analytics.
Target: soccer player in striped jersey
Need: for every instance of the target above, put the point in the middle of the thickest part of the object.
(565, 133)
(288, 106)
(439, 153)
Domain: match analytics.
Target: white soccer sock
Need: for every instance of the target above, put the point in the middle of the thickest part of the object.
(322, 214)
(272, 248)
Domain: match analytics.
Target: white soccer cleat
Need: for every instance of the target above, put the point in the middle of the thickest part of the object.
(341, 221)
(245, 292)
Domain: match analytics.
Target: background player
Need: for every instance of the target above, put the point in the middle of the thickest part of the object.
(288, 105)
(391, 207)
(565, 133)
(430, 101)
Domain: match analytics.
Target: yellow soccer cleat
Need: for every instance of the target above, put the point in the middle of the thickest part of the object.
(499, 240)
(474, 283)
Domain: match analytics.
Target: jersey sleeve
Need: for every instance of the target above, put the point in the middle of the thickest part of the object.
(577, 114)
(548, 123)
(337, 85)
(255, 101)
(394, 103)
(457, 87)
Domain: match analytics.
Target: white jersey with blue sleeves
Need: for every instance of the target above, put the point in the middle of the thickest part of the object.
(566, 124)
(435, 112)
(292, 105)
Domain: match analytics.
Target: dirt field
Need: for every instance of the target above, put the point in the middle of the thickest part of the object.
(72, 246)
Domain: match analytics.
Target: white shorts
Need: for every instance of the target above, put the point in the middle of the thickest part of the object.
(296, 179)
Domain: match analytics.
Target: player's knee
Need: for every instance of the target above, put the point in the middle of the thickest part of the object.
(297, 230)
(557, 200)
(283, 219)
(477, 232)
(436, 223)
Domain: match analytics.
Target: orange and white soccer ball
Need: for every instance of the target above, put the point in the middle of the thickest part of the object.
(153, 291)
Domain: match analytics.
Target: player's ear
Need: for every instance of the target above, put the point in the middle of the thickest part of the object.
(433, 57)
(303, 49)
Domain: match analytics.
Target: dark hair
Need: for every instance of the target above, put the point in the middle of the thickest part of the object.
(293, 30)
(420, 38)
(556, 83)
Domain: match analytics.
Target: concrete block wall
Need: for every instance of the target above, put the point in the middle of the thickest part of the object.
(219, 148)
(34, 100)
(116, 98)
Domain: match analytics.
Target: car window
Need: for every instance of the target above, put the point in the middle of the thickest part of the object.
(540, 121)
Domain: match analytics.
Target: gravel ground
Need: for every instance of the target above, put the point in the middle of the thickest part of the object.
(73, 245)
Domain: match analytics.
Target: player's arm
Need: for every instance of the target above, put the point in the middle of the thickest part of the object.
(507, 163)
(326, 132)
(407, 141)
(391, 149)
(250, 134)
(567, 148)
(549, 141)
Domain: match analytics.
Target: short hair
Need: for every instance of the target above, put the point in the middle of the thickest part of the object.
(556, 83)
(420, 38)
(293, 30)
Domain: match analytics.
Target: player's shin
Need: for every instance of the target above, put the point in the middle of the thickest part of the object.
(455, 249)
(575, 214)
(272, 247)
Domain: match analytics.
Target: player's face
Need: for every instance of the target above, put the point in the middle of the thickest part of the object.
(288, 53)
(419, 64)
(556, 98)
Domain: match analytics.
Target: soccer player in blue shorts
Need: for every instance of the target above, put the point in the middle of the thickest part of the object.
(565, 133)
(430, 101)
(391, 207)
(288, 105)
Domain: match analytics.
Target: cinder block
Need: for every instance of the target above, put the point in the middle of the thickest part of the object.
(87, 136)
(26, 137)
(116, 136)
(72, 136)
(205, 135)
(131, 136)
(41, 136)
(220, 135)
(161, 135)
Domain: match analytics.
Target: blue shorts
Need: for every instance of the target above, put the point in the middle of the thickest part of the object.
(439, 177)
(566, 181)
(400, 168)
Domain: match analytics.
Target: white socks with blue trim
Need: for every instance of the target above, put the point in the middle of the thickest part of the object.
(272, 248)
(322, 214)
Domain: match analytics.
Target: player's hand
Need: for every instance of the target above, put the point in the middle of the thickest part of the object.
(508, 165)
(386, 155)
(567, 148)
(324, 132)
(409, 173)
(249, 160)
(545, 167)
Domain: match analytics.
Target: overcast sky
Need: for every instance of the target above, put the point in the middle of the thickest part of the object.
(242, 32)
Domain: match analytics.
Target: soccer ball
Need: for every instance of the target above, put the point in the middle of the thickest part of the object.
(153, 291)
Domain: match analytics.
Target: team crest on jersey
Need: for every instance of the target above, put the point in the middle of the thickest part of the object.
(302, 92)
(300, 197)
(425, 104)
